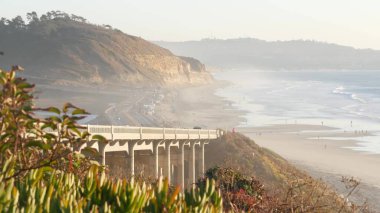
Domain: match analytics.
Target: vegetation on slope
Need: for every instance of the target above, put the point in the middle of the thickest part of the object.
(60, 48)
(277, 186)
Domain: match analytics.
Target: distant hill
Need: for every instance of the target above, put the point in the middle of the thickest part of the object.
(66, 49)
(255, 53)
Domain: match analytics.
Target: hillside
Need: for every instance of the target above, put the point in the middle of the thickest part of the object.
(296, 55)
(63, 49)
(280, 178)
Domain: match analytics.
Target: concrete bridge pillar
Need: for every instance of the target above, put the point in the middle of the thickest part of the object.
(102, 148)
(202, 144)
(168, 162)
(131, 152)
(182, 162)
(192, 163)
(155, 153)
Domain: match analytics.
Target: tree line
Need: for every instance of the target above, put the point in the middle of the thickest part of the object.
(32, 18)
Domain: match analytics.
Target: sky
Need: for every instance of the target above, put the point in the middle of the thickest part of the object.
(347, 22)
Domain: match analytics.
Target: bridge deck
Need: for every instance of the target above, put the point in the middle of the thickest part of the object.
(151, 133)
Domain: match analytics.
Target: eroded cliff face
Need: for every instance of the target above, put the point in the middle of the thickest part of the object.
(172, 70)
(69, 52)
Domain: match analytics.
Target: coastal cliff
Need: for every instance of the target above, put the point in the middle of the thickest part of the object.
(64, 50)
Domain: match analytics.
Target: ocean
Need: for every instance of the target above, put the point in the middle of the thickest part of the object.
(347, 100)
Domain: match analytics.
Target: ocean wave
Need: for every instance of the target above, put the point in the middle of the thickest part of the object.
(342, 91)
(355, 97)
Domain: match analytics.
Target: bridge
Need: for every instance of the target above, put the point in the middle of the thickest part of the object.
(178, 154)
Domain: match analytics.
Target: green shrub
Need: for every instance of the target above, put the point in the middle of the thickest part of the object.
(28, 140)
(41, 171)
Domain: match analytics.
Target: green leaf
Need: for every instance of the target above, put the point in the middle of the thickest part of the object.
(39, 144)
(5, 146)
(85, 134)
(49, 136)
(24, 85)
(90, 151)
(79, 112)
(54, 110)
(74, 129)
(55, 119)
(2, 76)
(77, 118)
(68, 106)
(5, 136)
(12, 75)
(49, 125)
(99, 138)
(47, 169)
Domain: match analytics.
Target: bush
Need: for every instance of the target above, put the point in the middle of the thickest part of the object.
(42, 171)
(28, 140)
(242, 193)
(239, 192)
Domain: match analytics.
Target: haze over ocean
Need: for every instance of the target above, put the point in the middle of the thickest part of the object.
(335, 98)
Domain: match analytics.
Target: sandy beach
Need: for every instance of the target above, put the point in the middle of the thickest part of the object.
(304, 146)
(328, 159)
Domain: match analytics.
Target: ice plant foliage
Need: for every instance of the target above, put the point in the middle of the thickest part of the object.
(48, 190)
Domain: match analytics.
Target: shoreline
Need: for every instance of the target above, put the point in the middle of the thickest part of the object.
(325, 159)
(304, 146)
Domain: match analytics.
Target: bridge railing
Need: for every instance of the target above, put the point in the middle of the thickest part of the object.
(144, 133)
(131, 132)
